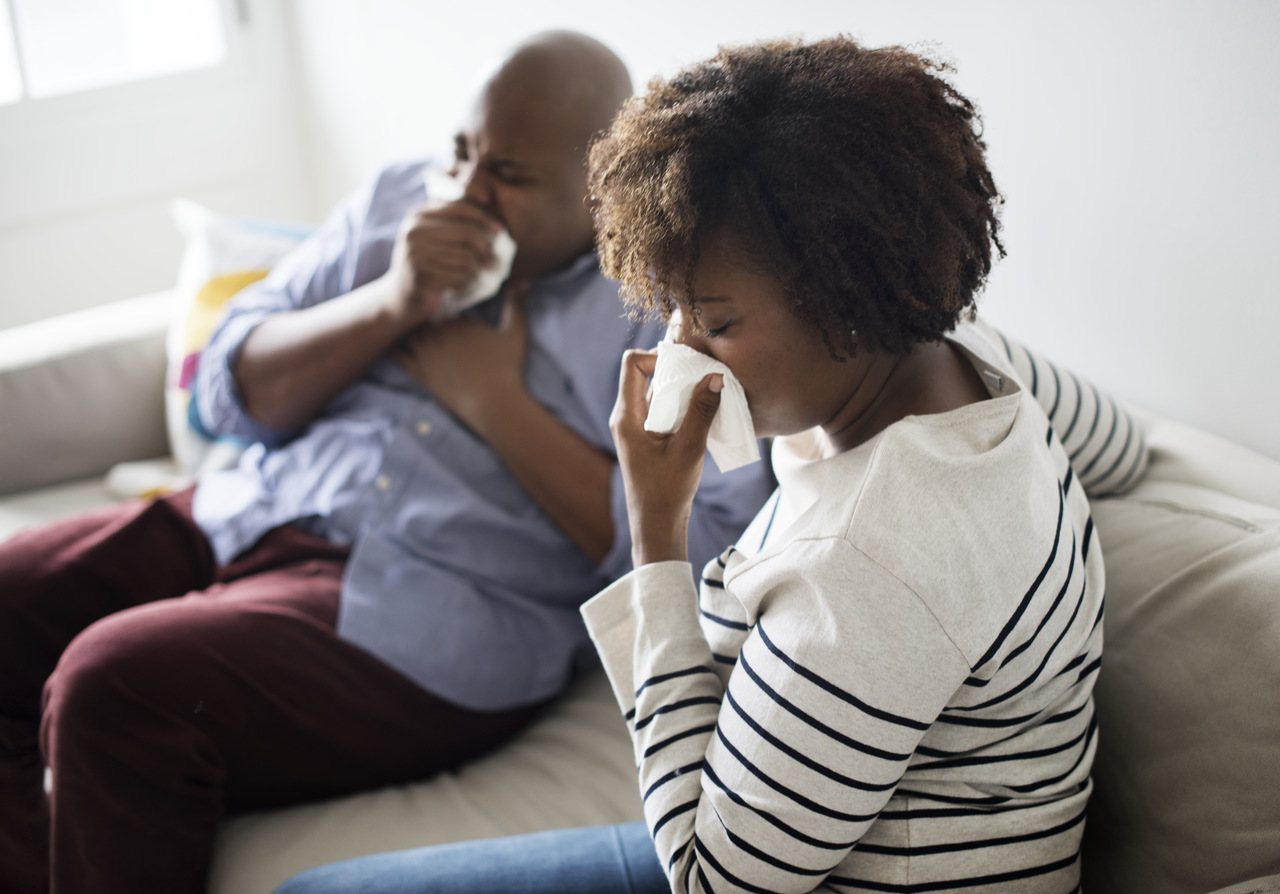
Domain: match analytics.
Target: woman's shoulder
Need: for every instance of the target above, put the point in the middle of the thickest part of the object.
(945, 506)
(965, 511)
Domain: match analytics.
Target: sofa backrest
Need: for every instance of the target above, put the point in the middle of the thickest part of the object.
(82, 392)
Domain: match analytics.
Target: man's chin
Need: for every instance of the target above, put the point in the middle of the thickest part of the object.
(531, 267)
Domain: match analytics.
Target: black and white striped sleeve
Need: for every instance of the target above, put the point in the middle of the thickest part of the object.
(1102, 438)
(761, 775)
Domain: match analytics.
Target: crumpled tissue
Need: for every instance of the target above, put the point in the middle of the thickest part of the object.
(732, 439)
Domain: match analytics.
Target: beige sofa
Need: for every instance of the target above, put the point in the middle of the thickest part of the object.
(1188, 771)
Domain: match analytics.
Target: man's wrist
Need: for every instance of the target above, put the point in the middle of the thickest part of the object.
(388, 308)
(491, 416)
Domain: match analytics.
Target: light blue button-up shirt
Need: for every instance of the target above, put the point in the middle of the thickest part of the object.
(457, 577)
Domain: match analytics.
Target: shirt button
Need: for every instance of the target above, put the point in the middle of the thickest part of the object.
(424, 428)
(382, 483)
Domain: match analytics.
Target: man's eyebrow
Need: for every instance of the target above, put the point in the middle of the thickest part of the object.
(461, 139)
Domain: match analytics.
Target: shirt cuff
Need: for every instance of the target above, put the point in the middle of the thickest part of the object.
(219, 402)
(658, 598)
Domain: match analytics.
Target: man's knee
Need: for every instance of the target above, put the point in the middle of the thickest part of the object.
(112, 678)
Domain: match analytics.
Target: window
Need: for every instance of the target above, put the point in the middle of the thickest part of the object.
(53, 47)
(10, 75)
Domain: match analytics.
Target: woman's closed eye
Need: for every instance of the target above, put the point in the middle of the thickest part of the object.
(713, 325)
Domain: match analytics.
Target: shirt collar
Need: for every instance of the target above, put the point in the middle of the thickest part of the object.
(587, 261)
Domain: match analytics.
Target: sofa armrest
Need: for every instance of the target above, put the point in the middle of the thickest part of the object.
(1188, 455)
(83, 391)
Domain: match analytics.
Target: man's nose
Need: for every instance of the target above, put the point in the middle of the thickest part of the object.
(477, 185)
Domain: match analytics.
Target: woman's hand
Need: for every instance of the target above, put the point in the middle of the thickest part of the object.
(660, 472)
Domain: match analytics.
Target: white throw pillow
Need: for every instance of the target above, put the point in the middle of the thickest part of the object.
(222, 255)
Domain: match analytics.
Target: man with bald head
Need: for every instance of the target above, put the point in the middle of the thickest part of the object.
(388, 582)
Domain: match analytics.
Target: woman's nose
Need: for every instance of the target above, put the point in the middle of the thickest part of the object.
(684, 332)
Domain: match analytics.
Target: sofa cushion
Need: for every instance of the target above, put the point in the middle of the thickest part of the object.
(34, 508)
(1187, 773)
(1268, 885)
(573, 767)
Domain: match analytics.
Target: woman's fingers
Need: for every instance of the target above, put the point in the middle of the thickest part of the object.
(703, 406)
(645, 361)
(633, 389)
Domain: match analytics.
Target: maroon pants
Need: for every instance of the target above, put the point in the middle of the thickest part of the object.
(165, 691)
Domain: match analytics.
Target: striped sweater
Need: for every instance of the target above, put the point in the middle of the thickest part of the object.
(886, 684)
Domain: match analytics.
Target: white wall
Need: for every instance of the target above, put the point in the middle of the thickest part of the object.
(85, 179)
(1136, 143)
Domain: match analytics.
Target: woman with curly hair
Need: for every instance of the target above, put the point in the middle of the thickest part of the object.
(886, 684)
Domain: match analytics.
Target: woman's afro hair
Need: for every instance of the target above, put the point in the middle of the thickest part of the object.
(854, 177)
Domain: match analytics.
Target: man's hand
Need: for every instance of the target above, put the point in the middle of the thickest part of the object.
(293, 363)
(438, 248)
(478, 373)
(471, 368)
(660, 472)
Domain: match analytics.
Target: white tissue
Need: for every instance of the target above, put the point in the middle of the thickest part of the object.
(487, 281)
(732, 439)
(442, 188)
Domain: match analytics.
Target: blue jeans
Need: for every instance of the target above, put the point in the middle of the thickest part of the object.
(594, 860)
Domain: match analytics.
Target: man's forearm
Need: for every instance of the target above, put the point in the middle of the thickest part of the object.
(294, 362)
(567, 476)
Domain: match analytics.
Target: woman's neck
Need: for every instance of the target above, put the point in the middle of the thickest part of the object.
(931, 378)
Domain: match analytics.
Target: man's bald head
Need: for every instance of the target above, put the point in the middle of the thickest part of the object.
(575, 82)
(524, 154)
